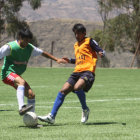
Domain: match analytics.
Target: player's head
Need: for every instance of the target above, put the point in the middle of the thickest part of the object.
(25, 33)
(79, 28)
(24, 37)
(79, 31)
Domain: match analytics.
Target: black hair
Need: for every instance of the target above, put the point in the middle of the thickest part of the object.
(79, 28)
(25, 33)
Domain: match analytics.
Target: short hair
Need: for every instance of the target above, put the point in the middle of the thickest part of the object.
(25, 33)
(79, 28)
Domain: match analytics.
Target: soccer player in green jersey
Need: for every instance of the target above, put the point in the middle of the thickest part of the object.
(16, 55)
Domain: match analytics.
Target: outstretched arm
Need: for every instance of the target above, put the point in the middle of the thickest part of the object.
(58, 60)
(36, 52)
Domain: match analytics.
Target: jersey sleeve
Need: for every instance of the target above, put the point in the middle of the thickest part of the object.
(5, 51)
(72, 60)
(94, 45)
(36, 51)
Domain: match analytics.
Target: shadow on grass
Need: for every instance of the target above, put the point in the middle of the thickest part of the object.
(39, 126)
(105, 123)
(57, 125)
(34, 127)
(6, 110)
(29, 127)
(90, 123)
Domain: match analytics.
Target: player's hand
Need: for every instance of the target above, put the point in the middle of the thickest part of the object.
(101, 54)
(66, 59)
(63, 61)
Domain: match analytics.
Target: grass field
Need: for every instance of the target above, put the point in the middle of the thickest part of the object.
(114, 102)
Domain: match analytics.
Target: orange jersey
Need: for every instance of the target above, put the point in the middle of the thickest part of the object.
(85, 56)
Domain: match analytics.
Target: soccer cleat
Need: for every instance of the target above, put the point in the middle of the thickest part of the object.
(25, 109)
(49, 118)
(85, 115)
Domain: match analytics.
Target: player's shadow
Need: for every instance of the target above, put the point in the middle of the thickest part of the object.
(38, 126)
(105, 123)
(33, 127)
(5, 110)
(90, 123)
(29, 127)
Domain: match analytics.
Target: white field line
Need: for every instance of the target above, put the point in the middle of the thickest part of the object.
(105, 100)
(109, 100)
(6, 104)
(68, 107)
(40, 106)
(88, 101)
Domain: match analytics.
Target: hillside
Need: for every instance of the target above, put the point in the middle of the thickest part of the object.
(59, 31)
(72, 9)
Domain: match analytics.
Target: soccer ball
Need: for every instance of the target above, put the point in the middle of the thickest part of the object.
(30, 119)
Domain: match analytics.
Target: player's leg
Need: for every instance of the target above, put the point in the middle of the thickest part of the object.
(84, 84)
(50, 118)
(78, 89)
(67, 88)
(82, 98)
(17, 82)
(30, 96)
(22, 89)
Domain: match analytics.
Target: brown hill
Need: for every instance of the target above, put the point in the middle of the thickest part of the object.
(59, 31)
(72, 9)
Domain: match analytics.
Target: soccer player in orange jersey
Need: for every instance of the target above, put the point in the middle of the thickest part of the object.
(82, 78)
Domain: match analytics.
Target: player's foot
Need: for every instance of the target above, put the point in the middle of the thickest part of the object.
(85, 115)
(25, 108)
(49, 118)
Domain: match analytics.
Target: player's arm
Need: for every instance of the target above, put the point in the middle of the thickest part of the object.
(5, 51)
(36, 51)
(94, 45)
(48, 55)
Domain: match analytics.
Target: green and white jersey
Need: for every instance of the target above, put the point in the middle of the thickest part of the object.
(17, 60)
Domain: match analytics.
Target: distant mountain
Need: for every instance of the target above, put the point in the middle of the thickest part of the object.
(60, 32)
(53, 22)
(66, 9)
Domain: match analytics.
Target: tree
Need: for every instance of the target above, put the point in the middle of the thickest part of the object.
(9, 16)
(104, 9)
(127, 24)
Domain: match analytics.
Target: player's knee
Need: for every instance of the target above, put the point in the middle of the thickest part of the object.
(31, 96)
(64, 92)
(76, 88)
(21, 82)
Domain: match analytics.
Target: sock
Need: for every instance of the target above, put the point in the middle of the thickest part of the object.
(31, 102)
(82, 98)
(58, 102)
(20, 96)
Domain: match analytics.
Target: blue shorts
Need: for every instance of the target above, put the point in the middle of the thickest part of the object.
(88, 76)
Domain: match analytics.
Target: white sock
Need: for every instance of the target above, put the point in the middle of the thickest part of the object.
(31, 102)
(20, 96)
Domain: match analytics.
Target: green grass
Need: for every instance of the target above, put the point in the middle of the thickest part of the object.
(114, 102)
